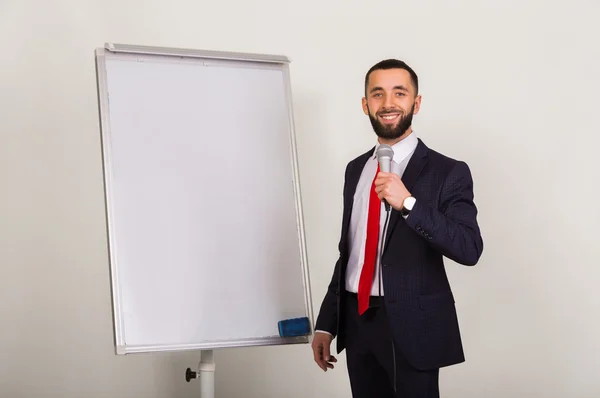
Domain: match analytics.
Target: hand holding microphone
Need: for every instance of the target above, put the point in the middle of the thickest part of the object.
(388, 186)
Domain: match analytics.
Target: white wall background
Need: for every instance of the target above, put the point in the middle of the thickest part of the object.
(511, 87)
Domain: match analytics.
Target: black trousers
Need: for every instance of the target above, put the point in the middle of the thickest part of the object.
(376, 367)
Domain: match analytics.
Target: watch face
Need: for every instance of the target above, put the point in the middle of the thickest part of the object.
(407, 206)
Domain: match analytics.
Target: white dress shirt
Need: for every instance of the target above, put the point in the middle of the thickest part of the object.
(357, 234)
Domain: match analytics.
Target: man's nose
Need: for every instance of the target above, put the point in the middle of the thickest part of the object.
(388, 103)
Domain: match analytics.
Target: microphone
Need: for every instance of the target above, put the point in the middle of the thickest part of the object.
(385, 154)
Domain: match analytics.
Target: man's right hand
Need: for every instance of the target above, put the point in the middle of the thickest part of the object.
(321, 345)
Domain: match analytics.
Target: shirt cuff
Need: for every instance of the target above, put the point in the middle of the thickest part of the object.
(323, 331)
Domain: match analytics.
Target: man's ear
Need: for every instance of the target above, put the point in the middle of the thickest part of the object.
(365, 106)
(417, 104)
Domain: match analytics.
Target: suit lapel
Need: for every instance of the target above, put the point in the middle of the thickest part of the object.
(409, 178)
(354, 174)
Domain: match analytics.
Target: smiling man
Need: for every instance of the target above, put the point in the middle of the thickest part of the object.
(396, 317)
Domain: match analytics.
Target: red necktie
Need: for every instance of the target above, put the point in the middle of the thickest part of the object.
(366, 277)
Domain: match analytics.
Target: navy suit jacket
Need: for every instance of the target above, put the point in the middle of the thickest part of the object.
(418, 298)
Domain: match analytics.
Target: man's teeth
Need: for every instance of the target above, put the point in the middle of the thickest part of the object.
(389, 117)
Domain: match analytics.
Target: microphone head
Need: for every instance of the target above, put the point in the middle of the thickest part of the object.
(385, 154)
(385, 150)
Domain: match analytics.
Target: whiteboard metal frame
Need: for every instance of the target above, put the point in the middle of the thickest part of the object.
(105, 132)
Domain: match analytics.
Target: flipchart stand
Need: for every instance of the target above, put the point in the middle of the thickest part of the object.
(205, 374)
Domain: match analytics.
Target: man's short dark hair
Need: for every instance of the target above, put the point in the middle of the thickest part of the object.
(393, 64)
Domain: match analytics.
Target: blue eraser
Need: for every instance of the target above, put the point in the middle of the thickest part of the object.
(294, 327)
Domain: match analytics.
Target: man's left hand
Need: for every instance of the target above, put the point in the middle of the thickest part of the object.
(390, 187)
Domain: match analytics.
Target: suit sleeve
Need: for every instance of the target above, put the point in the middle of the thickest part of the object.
(328, 316)
(328, 313)
(452, 228)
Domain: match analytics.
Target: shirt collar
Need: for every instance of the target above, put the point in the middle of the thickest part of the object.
(402, 149)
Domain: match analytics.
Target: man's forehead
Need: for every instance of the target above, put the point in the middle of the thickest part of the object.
(389, 77)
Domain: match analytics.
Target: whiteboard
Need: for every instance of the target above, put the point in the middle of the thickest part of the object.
(204, 218)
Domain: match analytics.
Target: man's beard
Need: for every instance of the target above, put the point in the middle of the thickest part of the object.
(391, 132)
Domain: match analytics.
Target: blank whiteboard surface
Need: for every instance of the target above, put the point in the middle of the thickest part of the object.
(205, 224)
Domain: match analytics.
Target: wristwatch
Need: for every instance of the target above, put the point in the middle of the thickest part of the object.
(407, 206)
